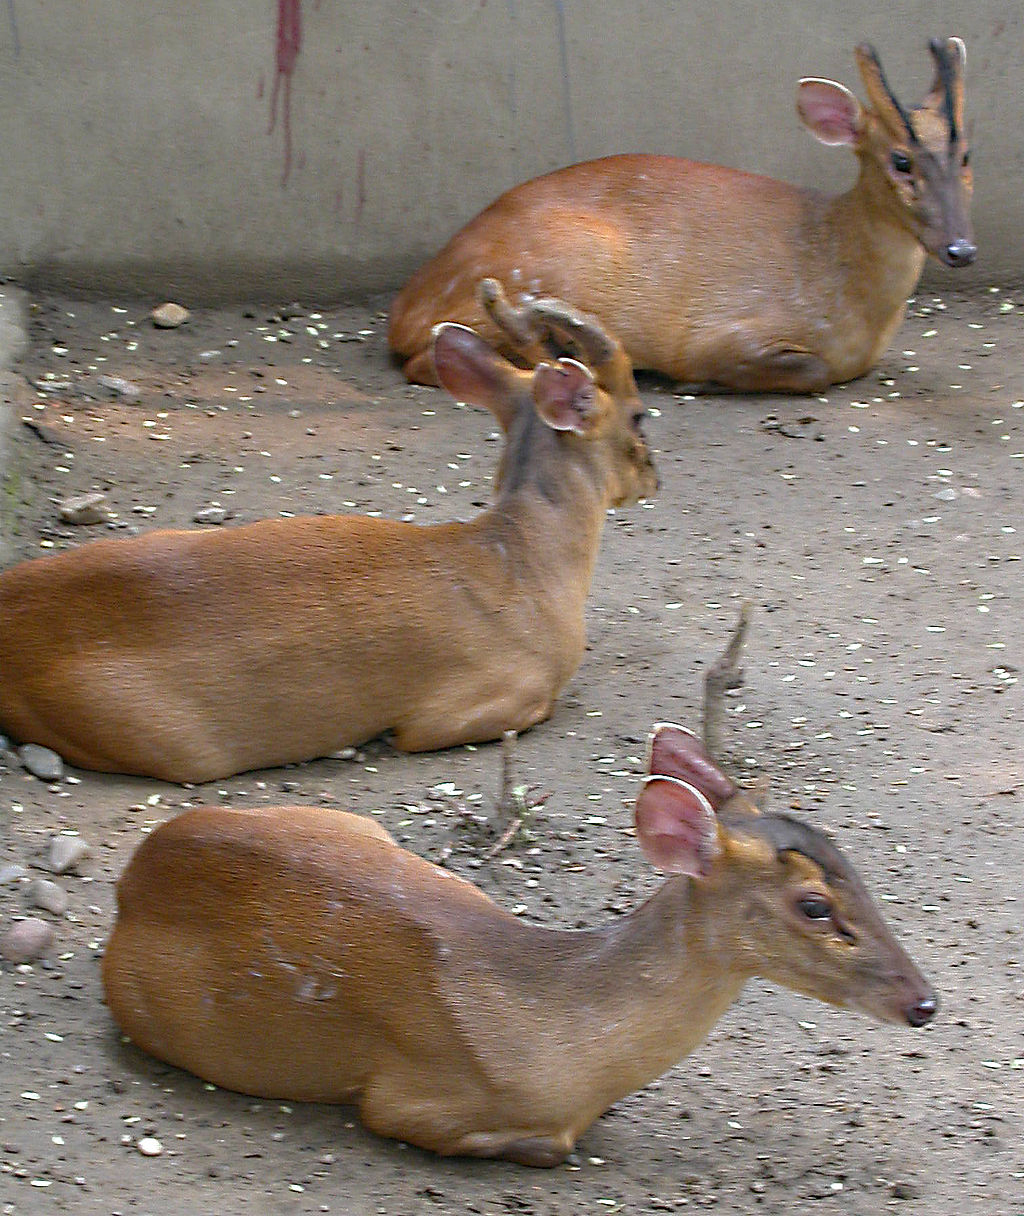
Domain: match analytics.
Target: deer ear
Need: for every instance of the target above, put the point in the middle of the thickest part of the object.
(472, 370)
(676, 827)
(674, 751)
(566, 396)
(829, 111)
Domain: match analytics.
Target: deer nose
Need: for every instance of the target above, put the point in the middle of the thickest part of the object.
(922, 1012)
(959, 253)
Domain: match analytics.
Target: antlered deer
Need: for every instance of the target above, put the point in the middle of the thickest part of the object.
(299, 953)
(193, 655)
(709, 274)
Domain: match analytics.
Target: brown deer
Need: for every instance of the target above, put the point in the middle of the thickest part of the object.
(299, 953)
(192, 655)
(712, 275)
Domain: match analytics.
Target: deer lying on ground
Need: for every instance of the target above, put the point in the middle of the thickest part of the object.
(193, 655)
(299, 953)
(708, 274)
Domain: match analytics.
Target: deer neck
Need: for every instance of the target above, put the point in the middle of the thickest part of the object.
(550, 506)
(652, 983)
(884, 258)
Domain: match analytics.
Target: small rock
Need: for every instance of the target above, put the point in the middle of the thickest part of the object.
(41, 762)
(26, 940)
(84, 509)
(119, 387)
(5, 743)
(150, 1146)
(904, 1190)
(66, 852)
(210, 515)
(42, 893)
(12, 874)
(169, 316)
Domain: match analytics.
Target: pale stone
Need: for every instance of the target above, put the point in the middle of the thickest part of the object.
(84, 509)
(42, 893)
(41, 762)
(26, 940)
(169, 316)
(66, 852)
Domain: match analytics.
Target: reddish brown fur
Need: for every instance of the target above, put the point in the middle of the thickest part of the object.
(709, 274)
(193, 655)
(299, 953)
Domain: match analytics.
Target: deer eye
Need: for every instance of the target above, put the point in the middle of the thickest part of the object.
(965, 160)
(815, 907)
(901, 162)
(637, 420)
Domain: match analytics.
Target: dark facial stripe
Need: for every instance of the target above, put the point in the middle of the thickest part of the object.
(904, 116)
(789, 835)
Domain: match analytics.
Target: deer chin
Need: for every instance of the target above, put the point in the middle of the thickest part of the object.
(916, 1009)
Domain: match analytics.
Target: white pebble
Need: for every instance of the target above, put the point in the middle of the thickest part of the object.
(214, 514)
(149, 1146)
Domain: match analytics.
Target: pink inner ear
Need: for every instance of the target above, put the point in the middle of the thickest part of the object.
(564, 394)
(473, 371)
(464, 362)
(829, 111)
(676, 827)
(674, 751)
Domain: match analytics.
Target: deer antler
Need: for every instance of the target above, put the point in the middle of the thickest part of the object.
(724, 674)
(545, 328)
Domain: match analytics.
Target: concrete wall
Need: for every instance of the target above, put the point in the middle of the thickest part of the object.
(13, 341)
(138, 154)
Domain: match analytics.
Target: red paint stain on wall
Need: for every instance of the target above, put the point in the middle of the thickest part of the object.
(289, 43)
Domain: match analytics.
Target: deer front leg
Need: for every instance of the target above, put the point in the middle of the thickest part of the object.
(394, 1105)
(540, 1151)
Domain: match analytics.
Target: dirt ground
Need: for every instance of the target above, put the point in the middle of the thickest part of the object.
(879, 533)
